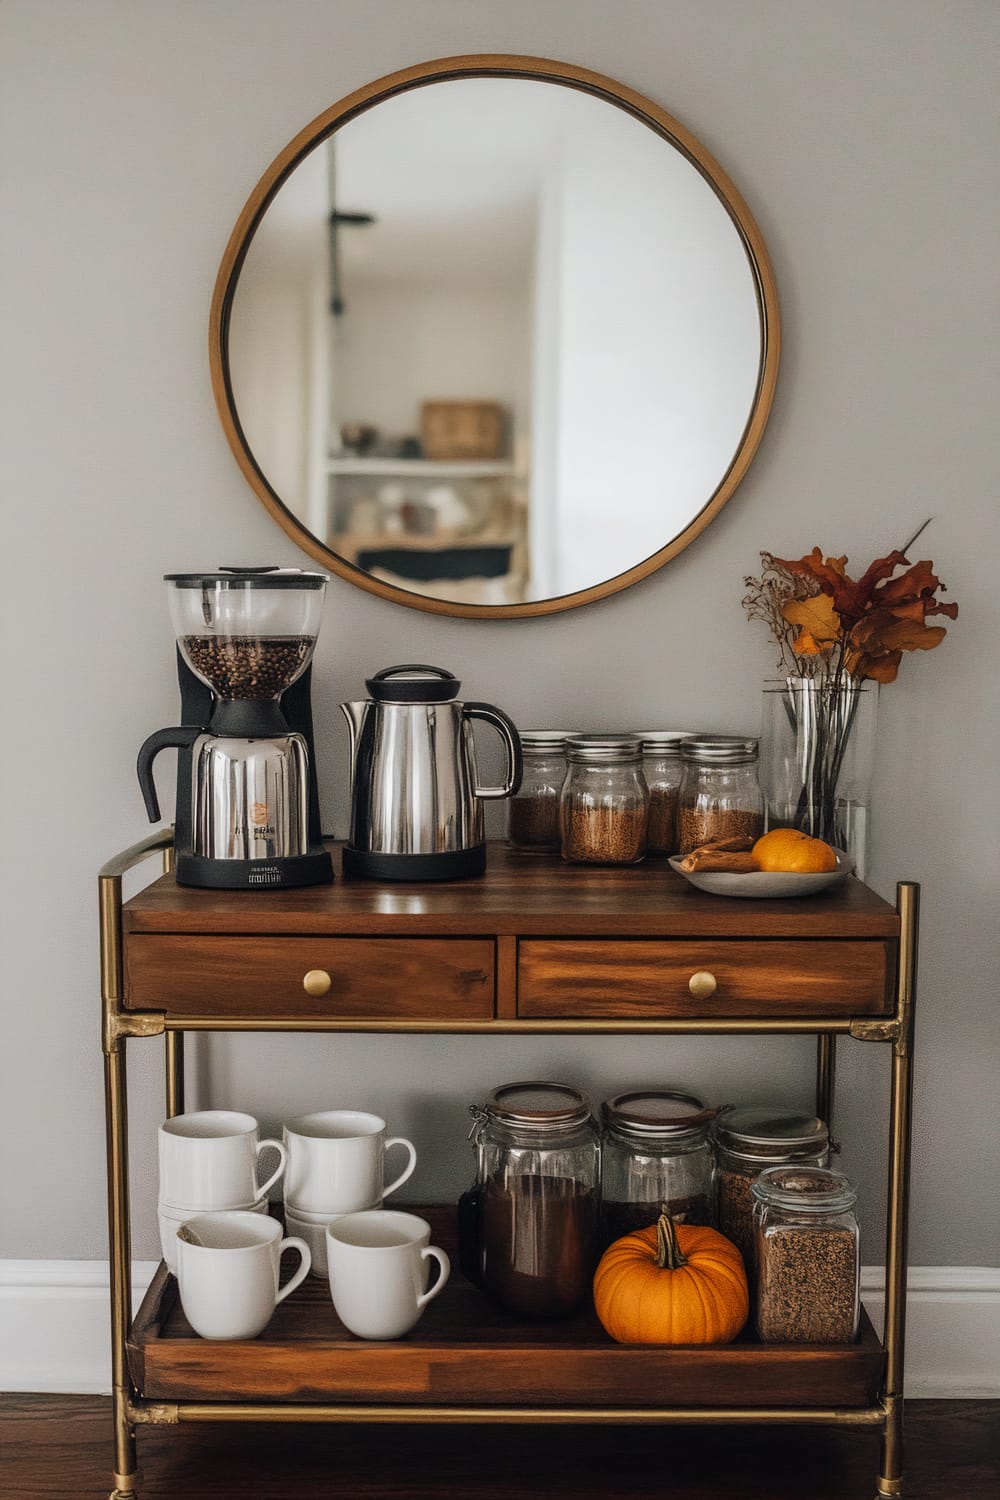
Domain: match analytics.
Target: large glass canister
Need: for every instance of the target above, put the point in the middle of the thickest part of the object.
(748, 1139)
(807, 1252)
(655, 1150)
(662, 767)
(533, 810)
(605, 800)
(537, 1211)
(720, 795)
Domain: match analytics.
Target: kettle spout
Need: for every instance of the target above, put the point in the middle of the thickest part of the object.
(354, 713)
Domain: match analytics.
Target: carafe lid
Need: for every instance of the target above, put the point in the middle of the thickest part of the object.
(413, 683)
(657, 1112)
(538, 1102)
(249, 578)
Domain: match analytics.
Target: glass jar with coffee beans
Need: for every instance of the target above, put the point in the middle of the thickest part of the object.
(662, 768)
(655, 1150)
(749, 1138)
(807, 1253)
(533, 811)
(720, 796)
(605, 801)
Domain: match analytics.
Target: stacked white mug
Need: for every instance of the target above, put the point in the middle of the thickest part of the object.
(208, 1161)
(336, 1166)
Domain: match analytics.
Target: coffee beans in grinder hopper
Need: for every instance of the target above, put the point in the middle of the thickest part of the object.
(252, 667)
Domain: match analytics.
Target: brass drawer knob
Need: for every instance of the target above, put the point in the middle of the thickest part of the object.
(702, 984)
(317, 982)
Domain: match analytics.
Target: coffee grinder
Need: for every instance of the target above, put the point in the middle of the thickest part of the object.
(247, 803)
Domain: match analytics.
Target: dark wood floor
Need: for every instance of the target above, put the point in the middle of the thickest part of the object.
(60, 1446)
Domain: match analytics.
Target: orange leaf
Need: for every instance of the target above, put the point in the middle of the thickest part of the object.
(817, 622)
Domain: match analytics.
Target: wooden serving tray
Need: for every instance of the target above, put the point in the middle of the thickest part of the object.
(465, 1352)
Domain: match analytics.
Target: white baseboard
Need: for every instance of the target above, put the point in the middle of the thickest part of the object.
(54, 1326)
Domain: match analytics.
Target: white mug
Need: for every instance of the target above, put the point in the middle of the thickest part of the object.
(171, 1219)
(208, 1160)
(228, 1270)
(378, 1267)
(336, 1161)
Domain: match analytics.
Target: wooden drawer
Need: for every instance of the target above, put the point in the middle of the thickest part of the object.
(370, 978)
(561, 978)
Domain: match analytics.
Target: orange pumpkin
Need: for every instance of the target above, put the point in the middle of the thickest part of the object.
(672, 1284)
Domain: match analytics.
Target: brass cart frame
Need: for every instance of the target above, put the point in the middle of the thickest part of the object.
(120, 1024)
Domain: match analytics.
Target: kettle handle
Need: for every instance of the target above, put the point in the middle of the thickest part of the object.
(508, 733)
(180, 738)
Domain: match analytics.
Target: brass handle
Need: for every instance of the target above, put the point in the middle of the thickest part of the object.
(317, 982)
(702, 984)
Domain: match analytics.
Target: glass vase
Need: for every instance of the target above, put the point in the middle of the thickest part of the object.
(817, 752)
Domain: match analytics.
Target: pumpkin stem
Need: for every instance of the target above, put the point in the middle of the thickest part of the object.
(668, 1252)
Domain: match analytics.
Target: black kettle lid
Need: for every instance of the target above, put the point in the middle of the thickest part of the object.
(413, 683)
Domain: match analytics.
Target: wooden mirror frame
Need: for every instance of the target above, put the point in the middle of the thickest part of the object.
(493, 66)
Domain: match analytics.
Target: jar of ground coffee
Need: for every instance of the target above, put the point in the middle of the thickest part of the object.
(748, 1139)
(529, 1228)
(662, 768)
(655, 1151)
(533, 810)
(605, 800)
(720, 796)
(807, 1252)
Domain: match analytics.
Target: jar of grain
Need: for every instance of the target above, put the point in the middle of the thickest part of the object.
(662, 768)
(605, 801)
(533, 811)
(807, 1249)
(720, 796)
(529, 1228)
(654, 1151)
(748, 1139)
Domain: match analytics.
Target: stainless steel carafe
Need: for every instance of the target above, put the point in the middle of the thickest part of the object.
(416, 802)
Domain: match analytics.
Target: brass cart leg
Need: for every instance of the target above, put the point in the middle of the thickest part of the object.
(174, 1041)
(826, 1068)
(890, 1481)
(126, 1467)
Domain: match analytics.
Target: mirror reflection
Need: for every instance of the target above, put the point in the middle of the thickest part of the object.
(495, 341)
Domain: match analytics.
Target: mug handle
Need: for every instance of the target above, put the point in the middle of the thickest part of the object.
(282, 1163)
(432, 1252)
(407, 1172)
(300, 1275)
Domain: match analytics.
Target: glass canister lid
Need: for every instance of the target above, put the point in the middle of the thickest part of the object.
(719, 749)
(539, 1103)
(600, 747)
(665, 742)
(805, 1189)
(543, 741)
(760, 1132)
(657, 1112)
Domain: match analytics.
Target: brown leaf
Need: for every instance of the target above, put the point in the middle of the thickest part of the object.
(817, 622)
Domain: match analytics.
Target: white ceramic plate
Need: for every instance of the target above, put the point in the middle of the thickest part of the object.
(764, 883)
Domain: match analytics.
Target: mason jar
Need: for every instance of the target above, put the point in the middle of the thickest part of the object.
(533, 811)
(808, 1256)
(530, 1228)
(605, 800)
(655, 1150)
(662, 767)
(720, 795)
(748, 1139)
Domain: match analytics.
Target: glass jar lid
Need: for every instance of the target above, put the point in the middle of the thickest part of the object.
(665, 742)
(601, 748)
(812, 1190)
(760, 1133)
(543, 741)
(657, 1112)
(718, 749)
(538, 1103)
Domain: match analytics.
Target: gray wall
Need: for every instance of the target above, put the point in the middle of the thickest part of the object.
(864, 138)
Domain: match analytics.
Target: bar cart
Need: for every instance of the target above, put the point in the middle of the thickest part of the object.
(534, 946)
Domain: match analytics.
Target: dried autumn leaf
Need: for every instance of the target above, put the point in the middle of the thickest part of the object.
(817, 622)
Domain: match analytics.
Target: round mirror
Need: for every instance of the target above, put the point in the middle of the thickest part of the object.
(494, 336)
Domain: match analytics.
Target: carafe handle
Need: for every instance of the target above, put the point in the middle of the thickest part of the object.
(182, 737)
(512, 740)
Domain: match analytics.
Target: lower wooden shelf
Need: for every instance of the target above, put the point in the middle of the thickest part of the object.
(466, 1352)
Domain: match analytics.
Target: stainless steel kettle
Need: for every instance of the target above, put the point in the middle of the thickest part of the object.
(416, 802)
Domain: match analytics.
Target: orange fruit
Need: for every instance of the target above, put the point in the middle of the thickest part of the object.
(787, 849)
